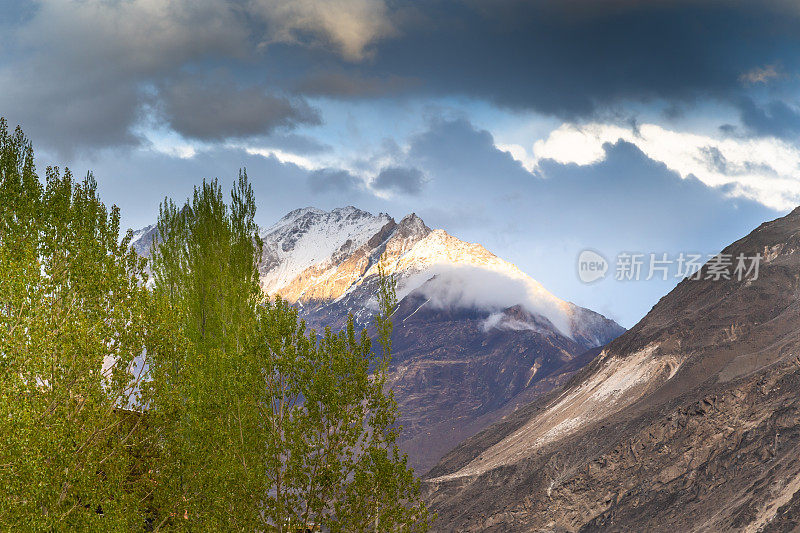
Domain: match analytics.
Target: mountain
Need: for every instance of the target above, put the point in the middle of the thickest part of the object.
(474, 336)
(144, 239)
(318, 258)
(690, 421)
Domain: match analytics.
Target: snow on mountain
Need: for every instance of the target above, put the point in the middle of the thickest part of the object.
(468, 275)
(309, 237)
(143, 239)
(312, 255)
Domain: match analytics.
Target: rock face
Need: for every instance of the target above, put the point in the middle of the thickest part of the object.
(690, 421)
(474, 336)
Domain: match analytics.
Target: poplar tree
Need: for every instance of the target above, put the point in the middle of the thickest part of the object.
(269, 426)
(74, 321)
(331, 427)
(204, 266)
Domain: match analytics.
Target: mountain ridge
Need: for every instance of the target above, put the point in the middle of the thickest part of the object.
(688, 421)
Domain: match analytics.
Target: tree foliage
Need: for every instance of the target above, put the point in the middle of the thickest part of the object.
(74, 320)
(188, 401)
(331, 457)
(205, 270)
(271, 426)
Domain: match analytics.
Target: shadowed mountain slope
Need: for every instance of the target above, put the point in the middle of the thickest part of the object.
(690, 421)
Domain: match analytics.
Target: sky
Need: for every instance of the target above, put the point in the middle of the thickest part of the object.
(538, 128)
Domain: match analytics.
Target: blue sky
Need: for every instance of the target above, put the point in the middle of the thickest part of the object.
(537, 128)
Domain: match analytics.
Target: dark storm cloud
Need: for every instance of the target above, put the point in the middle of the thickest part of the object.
(400, 180)
(776, 118)
(209, 110)
(578, 57)
(79, 75)
(88, 113)
(346, 85)
(83, 74)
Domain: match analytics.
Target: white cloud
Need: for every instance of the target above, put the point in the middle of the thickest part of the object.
(286, 157)
(165, 141)
(468, 287)
(764, 169)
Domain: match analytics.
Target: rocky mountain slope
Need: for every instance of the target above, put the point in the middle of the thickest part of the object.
(474, 337)
(690, 421)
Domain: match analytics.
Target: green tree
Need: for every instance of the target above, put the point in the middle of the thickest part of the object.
(269, 427)
(204, 267)
(199, 405)
(331, 456)
(74, 321)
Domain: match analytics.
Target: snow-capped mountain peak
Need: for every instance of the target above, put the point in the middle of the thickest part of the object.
(312, 257)
(308, 238)
(474, 336)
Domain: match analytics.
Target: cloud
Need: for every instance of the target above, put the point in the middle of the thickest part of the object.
(298, 150)
(498, 320)
(464, 287)
(349, 25)
(287, 158)
(580, 58)
(135, 36)
(765, 169)
(293, 142)
(210, 110)
(449, 146)
(83, 74)
(762, 75)
(331, 179)
(340, 84)
(776, 118)
(72, 114)
(399, 180)
(75, 74)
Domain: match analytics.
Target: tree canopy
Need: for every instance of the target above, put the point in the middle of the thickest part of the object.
(185, 401)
